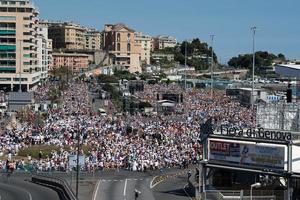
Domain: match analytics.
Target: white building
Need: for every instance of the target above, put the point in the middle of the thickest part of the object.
(145, 42)
(44, 51)
(162, 42)
(18, 46)
(291, 70)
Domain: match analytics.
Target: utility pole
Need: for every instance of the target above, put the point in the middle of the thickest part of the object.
(253, 29)
(20, 70)
(185, 65)
(212, 65)
(77, 161)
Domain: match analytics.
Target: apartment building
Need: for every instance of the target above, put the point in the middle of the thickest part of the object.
(44, 51)
(75, 62)
(18, 46)
(162, 42)
(120, 41)
(66, 35)
(93, 39)
(145, 43)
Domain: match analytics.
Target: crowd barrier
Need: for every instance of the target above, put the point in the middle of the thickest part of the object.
(56, 183)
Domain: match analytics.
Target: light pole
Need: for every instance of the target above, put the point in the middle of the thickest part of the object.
(253, 29)
(185, 65)
(212, 65)
(20, 70)
(255, 185)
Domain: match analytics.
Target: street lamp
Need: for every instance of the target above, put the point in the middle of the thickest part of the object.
(253, 29)
(185, 65)
(212, 65)
(255, 185)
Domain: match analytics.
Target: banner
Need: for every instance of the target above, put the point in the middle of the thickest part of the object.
(73, 160)
(246, 155)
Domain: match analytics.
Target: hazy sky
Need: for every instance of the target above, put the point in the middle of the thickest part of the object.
(229, 20)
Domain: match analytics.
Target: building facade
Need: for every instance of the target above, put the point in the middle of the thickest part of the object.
(75, 62)
(66, 35)
(18, 46)
(119, 41)
(162, 42)
(44, 51)
(93, 39)
(145, 43)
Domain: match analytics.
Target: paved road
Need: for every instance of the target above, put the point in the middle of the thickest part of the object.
(173, 188)
(121, 186)
(19, 188)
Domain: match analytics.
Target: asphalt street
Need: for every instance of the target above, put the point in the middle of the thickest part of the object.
(19, 188)
(173, 188)
(122, 186)
(105, 185)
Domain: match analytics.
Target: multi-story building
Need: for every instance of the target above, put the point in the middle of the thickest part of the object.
(66, 35)
(44, 51)
(119, 40)
(18, 45)
(75, 62)
(145, 43)
(93, 39)
(161, 42)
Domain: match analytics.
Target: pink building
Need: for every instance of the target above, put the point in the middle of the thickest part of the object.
(75, 62)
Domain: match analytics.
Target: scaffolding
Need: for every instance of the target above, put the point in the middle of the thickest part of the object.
(281, 116)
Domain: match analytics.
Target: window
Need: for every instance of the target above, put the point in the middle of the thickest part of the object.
(12, 9)
(118, 37)
(128, 47)
(118, 47)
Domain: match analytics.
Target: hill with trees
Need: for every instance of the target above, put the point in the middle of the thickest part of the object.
(262, 59)
(198, 54)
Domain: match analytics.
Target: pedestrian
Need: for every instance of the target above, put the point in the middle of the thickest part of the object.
(136, 194)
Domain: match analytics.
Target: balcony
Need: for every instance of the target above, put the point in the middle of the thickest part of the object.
(7, 47)
(7, 32)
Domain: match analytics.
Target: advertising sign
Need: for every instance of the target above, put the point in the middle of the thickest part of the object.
(247, 155)
(73, 160)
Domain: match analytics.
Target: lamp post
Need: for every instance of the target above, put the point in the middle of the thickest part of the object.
(253, 29)
(212, 65)
(255, 185)
(185, 65)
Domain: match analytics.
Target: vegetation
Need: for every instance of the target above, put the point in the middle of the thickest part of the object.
(198, 54)
(54, 94)
(262, 59)
(33, 151)
(63, 74)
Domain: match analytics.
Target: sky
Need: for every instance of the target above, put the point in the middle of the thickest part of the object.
(278, 21)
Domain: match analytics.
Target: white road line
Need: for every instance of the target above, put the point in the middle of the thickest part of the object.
(30, 197)
(187, 192)
(125, 186)
(96, 191)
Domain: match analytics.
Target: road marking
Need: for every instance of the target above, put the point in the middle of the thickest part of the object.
(95, 191)
(30, 197)
(125, 186)
(187, 192)
(120, 180)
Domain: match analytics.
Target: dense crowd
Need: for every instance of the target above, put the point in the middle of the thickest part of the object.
(130, 142)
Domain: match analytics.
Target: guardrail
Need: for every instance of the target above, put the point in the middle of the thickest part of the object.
(57, 183)
(158, 179)
(236, 195)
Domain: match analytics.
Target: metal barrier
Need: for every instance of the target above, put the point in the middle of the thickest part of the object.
(238, 195)
(56, 183)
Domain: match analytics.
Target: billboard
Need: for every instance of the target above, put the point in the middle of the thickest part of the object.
(73, 160)
(246, 155)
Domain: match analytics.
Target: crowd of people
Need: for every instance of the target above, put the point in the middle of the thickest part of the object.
(135, 142)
